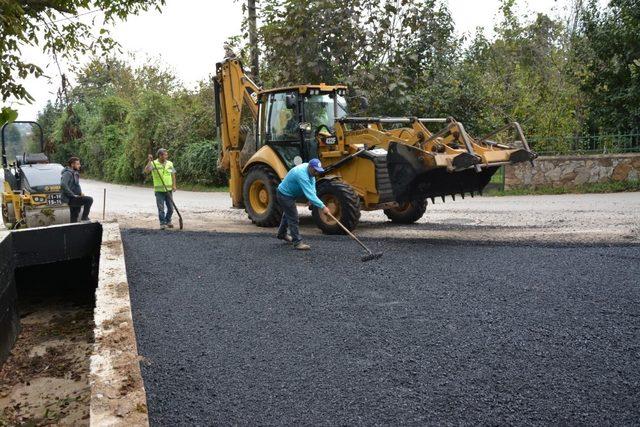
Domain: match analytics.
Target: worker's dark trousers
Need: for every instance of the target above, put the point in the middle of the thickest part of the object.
(163, 198)
(289, 218)
(75, 203)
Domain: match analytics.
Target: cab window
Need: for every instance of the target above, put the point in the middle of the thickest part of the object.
(282, 122)
(319, 110)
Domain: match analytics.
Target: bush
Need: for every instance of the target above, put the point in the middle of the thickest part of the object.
(197, 163)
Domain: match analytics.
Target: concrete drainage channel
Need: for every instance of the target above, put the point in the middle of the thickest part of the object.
(67, 345)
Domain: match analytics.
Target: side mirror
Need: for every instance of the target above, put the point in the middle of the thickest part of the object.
(290, 101)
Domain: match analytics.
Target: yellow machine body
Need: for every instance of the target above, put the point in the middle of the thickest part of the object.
(31, 193)
(390, 163)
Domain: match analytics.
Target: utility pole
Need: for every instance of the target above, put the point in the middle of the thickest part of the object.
(253, 37)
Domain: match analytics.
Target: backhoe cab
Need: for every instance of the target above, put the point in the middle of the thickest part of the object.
(394, 164)
(31, 195)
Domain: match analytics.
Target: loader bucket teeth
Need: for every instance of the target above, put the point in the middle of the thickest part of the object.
(433, 200)
(442, 197)
(453, 197)
(411, 178)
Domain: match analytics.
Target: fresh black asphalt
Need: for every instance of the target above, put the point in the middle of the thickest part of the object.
(241, 329)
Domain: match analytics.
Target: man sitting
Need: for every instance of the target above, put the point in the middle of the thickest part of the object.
(72, 193)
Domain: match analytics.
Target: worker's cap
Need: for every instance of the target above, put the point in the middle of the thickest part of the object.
(315, 163)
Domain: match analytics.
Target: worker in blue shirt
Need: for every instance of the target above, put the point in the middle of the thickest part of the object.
(300, 181)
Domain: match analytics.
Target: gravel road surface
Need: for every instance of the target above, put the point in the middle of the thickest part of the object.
(241, 329)
(571, 218)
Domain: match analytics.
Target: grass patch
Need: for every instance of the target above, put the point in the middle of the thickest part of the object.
(602, 187)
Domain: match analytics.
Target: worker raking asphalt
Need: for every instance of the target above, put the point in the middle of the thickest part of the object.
(243, 329)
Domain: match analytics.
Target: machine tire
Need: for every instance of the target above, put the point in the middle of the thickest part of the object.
(344, 203)
(259, 196)
(407, 213)
(7, 215)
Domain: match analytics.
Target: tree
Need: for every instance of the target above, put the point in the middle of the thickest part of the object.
(387, 50)
(253, 37)
(117, 114)
(53, 25)
(522, 75)
(609, 50)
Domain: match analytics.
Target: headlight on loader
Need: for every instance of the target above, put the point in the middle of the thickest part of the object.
(39, 199)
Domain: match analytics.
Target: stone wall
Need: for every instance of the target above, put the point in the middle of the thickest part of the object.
(572, 171)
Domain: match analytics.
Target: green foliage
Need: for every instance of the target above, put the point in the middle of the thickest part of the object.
(608, 51)
(555, 79)
(521, 76)
(198, 161)
(562, 80)
(120, 115)
(405, 58)
(52, 25)
(391, 52)
(7, 115)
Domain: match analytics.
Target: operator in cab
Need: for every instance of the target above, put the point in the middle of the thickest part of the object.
(299, 182)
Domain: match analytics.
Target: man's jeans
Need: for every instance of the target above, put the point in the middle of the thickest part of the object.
(75, 203)
(289, 218)
(164, 199)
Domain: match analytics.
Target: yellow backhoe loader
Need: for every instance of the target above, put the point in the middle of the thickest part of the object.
(389, 163)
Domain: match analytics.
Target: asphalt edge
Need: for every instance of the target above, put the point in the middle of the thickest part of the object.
(118, 396)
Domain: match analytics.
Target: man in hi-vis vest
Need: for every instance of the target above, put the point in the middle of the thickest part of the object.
(164, 184)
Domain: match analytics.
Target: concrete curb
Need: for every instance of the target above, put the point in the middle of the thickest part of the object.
(118, 397)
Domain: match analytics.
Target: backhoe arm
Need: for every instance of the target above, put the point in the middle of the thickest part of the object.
(232, 88)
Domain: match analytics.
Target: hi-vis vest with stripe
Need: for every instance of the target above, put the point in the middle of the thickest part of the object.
(162, 173)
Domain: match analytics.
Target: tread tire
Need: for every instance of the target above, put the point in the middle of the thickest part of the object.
(273, 214)
(7, 218)
(349, 206)
(414, 212)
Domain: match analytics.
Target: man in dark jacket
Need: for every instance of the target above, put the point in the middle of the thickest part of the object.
(72, 193)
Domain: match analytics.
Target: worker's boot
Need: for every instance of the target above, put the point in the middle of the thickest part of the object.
(286, 238)
(302, 246)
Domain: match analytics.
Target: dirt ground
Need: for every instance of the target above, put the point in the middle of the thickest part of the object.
(44, 381)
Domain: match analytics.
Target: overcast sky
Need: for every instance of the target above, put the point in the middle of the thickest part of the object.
(189, 34)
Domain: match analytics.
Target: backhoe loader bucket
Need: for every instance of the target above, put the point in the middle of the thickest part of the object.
(413, 179)
(465, 165)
